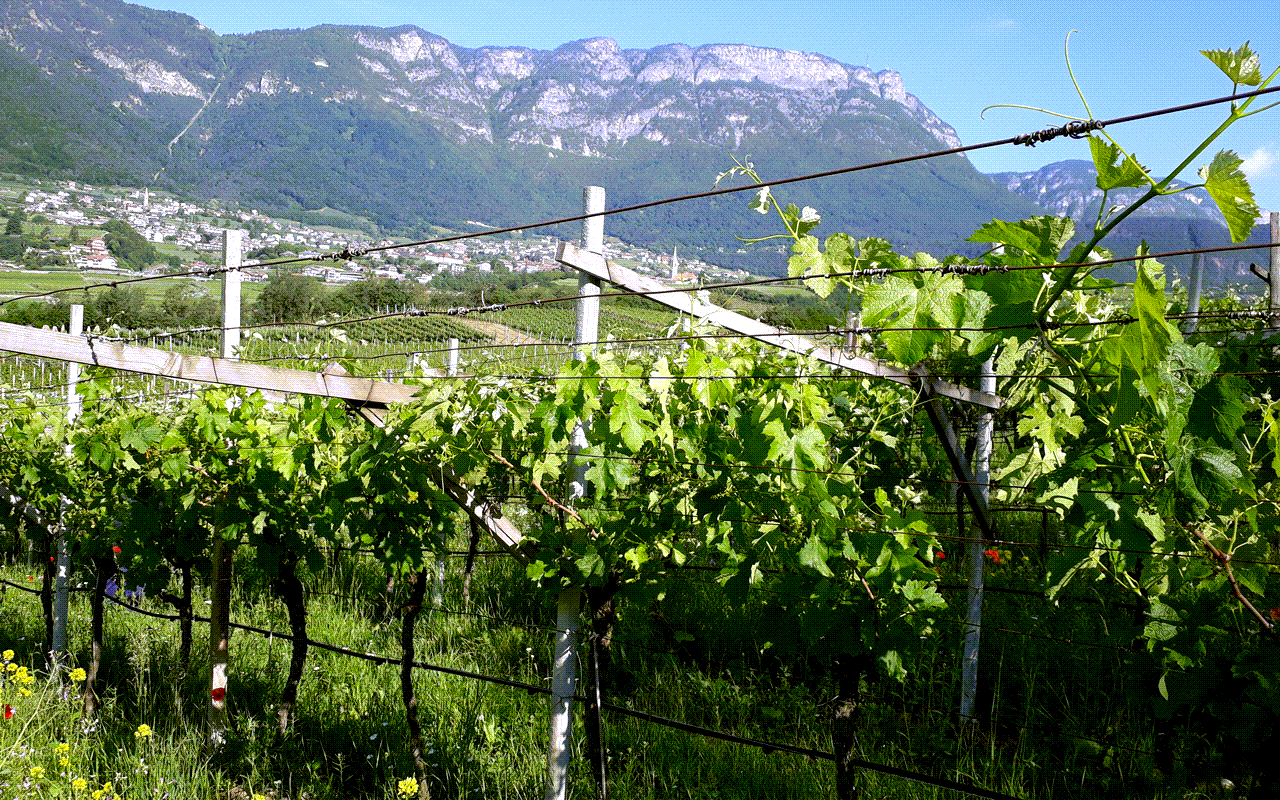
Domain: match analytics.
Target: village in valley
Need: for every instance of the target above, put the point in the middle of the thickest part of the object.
(62, 230)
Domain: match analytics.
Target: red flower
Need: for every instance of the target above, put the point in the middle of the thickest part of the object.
(219, 694)
(941, 556)
(115, 549)
(1275, 614)
(8, 711)
(994, 555)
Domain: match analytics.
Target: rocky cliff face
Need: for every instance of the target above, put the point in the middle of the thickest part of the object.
(587, 97)
(1069, 189)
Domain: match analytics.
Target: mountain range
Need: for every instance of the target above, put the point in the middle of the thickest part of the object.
(1184, 221)
(411, 134)
(409, 131)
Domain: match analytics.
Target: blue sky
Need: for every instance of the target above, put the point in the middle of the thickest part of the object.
(957, 58)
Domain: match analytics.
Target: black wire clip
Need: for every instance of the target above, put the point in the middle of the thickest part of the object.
(1076, 129)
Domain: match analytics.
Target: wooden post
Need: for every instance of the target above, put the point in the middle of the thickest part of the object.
(220, 579)
(564, 672)
(981, 476)
(62, 579)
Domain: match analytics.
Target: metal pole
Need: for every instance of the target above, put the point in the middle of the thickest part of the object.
(982, 476)
(62, 578)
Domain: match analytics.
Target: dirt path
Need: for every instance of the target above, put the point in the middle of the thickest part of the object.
(501, 334)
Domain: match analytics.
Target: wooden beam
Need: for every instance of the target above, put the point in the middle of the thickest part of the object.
(687, 302)
(970, 488)
(201, 369)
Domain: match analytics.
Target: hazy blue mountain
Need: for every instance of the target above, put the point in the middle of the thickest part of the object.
(409, 130)
(1183, 221)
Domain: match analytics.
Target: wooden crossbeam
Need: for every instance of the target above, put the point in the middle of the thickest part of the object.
(688, 303)
(969, 488)
(368, 396)
(201, 369)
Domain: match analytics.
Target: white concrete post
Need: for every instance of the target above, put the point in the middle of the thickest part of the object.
(232, 246)
(62, 577)
(1273, 297)
(564, 669)
(451, 365)
(1194, 289)
(973, 630)
(220, 588)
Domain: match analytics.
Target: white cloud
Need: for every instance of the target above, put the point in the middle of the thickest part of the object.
(1260, 162)
(993, 25)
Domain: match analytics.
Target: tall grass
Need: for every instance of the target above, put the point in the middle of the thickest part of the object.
(689, 657)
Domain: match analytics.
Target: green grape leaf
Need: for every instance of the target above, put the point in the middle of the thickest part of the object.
(1127, 173)
(927, 300)
(807, 261)
(1038, 236)
(814, 555)
(801, 220)
(1125, 399)
(1241, 66)
(1229, 188)
(762, 203)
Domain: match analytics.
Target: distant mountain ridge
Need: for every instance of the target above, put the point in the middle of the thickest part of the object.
(1069, 188)
(404, 128)
(1183, 221)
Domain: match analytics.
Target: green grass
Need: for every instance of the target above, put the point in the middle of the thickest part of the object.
(690, 658)
(14, 282)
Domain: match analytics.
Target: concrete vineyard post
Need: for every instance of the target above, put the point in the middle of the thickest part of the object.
(62, 579)
(1273, 296)
(220, 589)
(564, 669)
(232, 244)
(1194, 291)
(982, 476)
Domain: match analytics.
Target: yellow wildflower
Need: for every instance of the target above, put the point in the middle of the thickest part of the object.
(408, 787)
(37, 772)
(7, 655)
(64, 762)
(11, 667)
(24, 691)
(62, 749)
(78, 674)
(257, 796)
(79, 784)
(143, 731)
